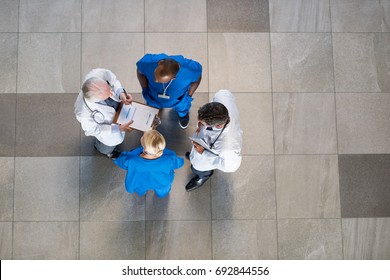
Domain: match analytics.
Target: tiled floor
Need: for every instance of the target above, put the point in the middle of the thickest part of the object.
(312, 81)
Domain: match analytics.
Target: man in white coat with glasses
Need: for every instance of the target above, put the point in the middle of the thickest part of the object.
(95, 108)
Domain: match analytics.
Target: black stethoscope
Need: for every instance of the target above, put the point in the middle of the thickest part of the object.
(211, 146)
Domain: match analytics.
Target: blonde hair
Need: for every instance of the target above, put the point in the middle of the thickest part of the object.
(153, 143)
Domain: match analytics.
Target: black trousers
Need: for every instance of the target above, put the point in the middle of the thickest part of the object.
(202, 174)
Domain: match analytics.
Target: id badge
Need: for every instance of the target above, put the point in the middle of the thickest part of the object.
(164, 96)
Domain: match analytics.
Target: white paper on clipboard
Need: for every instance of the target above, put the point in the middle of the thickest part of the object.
(141, 114)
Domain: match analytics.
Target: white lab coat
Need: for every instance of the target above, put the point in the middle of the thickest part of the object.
(228, 145)
(107, 132)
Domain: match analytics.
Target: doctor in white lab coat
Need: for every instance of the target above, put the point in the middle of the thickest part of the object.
(95, 108)
(217, 141)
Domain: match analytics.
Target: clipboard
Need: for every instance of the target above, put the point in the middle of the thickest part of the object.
(143, 115)
(201, 142)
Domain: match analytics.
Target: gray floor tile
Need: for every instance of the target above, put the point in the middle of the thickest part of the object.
(239, 62)
(302, 62)
(119, 55)
(5, 240)
(48, 62)
(50, 16)
(360, 15)
(7, 124)
(363, 123)
(179, 204)
(256, 122)
(249, 193)
(366, 239)
(112, 240)
(237, 16)
(46, 125)
(103, 196)
(46, 241)
(364, 185)
(9, 15)
(8, 62)
(113, 16)
(46, 189)
(361, 62)
(299, 16)
(190, 45)
(178, 240)
(309, 239)
(307, 186)
(244, 240)
(305, 123)
(7, 174)
(175, 16)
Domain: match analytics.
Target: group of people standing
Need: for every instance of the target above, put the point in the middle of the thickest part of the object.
(166, 82)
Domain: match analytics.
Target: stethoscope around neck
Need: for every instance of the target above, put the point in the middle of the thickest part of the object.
(96, 115)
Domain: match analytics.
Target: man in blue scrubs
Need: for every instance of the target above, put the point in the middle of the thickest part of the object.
(169, 82)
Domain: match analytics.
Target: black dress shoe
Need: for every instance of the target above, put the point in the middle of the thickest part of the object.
(188, 155)
(195, 183)
(115, 154)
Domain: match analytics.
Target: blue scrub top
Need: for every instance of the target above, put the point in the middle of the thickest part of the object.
(149, 174)
(189, 72)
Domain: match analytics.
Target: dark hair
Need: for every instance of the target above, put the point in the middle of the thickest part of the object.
(213, 113)
(170, 67)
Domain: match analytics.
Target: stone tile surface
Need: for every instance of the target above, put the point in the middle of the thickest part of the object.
(7, 124)
(190, 45)
(360, 15)
(113, 16)
(302, 62)
(307, 186)
(361, 62)
(364, 185)
(256, 122)
(7, 179)
(304, 123)
(50, 16)
(178, 240)
(366, 239)
(309, 239)
(249, 193)
(115, 51)
(175, 16)
(299, 16)
(5, 240)
(46, 189)
(8, 62)
(46, 125)
(48, 62)
(9, 14)
(239, 62)
(237, 16)
(244, 239)
(46, 241)
(362, 123)
(112, 240)
(103, 196)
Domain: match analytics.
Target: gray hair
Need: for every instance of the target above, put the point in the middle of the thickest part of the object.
(91, 88)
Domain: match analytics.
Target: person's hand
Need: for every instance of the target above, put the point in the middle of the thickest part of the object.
(126, 126)
(126, 98)
(198, 147)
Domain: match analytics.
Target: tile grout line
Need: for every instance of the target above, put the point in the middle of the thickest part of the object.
(337, 135)
(81, 58)
(273, 134)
